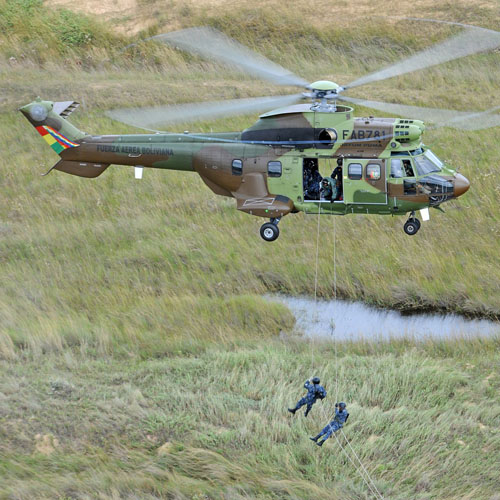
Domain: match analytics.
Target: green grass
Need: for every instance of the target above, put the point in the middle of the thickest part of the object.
(423, 421)
(33, 33)
(131, 313)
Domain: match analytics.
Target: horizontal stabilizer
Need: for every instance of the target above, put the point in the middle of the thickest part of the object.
(82, 169)
(65, 108)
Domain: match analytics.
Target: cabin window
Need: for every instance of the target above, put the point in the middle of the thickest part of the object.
(373, 172)
(237, 167)
(274, 169)
(355, 171)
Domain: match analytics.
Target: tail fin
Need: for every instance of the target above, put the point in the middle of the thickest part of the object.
(49, 119)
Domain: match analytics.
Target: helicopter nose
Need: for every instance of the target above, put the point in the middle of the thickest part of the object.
(461, 185)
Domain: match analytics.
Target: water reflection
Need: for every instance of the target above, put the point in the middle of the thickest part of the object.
(342, 320)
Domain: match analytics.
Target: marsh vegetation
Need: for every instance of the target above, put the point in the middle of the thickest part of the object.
(137, 355)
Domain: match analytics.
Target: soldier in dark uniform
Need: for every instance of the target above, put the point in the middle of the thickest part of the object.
(313, 185)
(341, 416)
(311, 179)
(314, 392)
(337, 177)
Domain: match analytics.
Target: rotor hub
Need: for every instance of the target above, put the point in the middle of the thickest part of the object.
(324, 89)
(321, 92)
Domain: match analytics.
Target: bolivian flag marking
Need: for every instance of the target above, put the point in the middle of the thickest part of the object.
(54, 139)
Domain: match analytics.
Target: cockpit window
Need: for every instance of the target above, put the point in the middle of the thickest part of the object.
(401, 168)
(408, 169)
(425, 165)
(429, 154)
(396, 168)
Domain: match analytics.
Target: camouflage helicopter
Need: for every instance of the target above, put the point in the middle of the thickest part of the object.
(281, 164)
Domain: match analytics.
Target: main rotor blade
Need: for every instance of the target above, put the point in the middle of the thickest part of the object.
(214, 45)
(154, 117)
(477, 121)
(465, 120)
(471, 41)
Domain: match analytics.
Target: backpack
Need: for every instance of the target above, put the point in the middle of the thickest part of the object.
(321, 393)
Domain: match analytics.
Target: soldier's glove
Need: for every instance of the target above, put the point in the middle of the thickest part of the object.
(336, 405)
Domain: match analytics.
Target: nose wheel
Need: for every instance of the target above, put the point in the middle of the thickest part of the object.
(269, 231)
(412, 225)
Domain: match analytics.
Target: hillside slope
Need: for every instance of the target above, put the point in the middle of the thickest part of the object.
(138, 15)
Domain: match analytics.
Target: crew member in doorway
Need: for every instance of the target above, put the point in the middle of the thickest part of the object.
(328, 190)
(337, 177)
(314, 392)
(312, 179)
(341, 416)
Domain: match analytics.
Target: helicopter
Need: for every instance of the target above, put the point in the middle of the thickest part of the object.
(281, 164)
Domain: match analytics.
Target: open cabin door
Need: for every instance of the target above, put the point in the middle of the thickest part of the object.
(315, 169)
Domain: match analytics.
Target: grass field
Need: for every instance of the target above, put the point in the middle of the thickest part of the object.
(213, 423)
(138, 358)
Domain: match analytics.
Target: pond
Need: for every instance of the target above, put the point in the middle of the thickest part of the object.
(342, 320)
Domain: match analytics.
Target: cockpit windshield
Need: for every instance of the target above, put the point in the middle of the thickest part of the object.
(434, 158)
(427, 163)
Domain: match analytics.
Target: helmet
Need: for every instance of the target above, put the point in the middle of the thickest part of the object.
(315, 380)
(342, 406)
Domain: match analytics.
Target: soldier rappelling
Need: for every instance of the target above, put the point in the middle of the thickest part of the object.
(314, 392)
(341, 416)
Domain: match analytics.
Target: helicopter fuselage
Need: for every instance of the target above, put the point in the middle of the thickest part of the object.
(386, 169)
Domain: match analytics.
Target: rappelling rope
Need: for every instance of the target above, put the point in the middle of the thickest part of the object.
(372, 487)
(361, 464)
(335, 298)
(334, 260)
(316, 282)
(374, 491)
(317, 256)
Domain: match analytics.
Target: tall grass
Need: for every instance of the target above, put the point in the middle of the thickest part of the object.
(215, 423)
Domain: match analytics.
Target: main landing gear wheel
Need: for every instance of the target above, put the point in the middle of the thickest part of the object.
(412, 226)
(269, 231)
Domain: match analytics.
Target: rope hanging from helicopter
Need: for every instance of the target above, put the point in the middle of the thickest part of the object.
(332, 325)
(316, 286)
(361, 469)
(364, 475)
(361, 465)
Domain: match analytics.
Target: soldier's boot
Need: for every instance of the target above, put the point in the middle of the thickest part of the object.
(292, 410)
(315, 438)
(320, 443)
